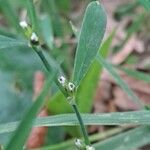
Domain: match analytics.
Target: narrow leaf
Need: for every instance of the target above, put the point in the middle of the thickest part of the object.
(91, 35)
(6, 42)
(18, 139)
(10, 14)
(129, 140)
(47, 31)
(53, 11)
(83, 97)
(136, 74)
(69, 144)
(32, 15)
(123, 118)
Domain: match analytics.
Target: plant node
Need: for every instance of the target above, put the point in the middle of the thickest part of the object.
(34, 39)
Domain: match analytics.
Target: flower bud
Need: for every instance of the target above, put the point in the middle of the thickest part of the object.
(79, 144)
(23, 24)
(90, 147)
(34, 39)
(62, 80)
(71, 87)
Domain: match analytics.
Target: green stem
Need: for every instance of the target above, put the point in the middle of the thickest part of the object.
(49, 68)
(75, 108)
(42, 57)
(83, 129)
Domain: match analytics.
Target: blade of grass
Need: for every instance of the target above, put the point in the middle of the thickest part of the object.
(10, 14)
(93, 138)
(109, 67)
(51, 8)
(130, 118)
(47, 31)
(7, 42)
(32, 14)
(136, 74)
(18, 139)
(129, 140)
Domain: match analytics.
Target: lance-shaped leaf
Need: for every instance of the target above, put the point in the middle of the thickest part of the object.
(130, 140)
(91, 35)
(118, 118)
(7, 42)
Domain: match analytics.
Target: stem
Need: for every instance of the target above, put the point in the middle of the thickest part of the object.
(75, 108)
(83, 129)
(49, 68)
(42, 57)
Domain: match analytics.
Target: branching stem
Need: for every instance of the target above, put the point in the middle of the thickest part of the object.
(75, 108)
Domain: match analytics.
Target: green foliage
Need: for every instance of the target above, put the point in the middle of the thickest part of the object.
(51, 7)
(83, 97)
(18, 139)
(9, 12)
(6, 42)
(91, 35)
(18, 63)
(118, 118)
(58, 100)
(47, 31)
(126, 141)
(32, 14)
(145, 4)
(136, 74)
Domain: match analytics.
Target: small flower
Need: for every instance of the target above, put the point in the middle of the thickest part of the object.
(78, 143)
(71, 87)
(23, 24)
(62, 80)
(34, 39)
(90, 147)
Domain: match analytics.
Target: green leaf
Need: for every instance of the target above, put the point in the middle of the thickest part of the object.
(47, 31)
(69, 144)
(109, 67)
(18, 139)
(129, 140)
(145, 4)
(32, 15)
(6, 42)
(83, 97)
(123, 118)
(91, 35)
(10, 14)
(136, 74)
(17, 68)
(51, 8)
(58, 104)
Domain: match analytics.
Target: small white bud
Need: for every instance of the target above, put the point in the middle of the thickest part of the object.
(34, 37)
(62, 80)
(78, 143)
(90, 147)
(97, 2)
(71, 86)
(23, 24)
